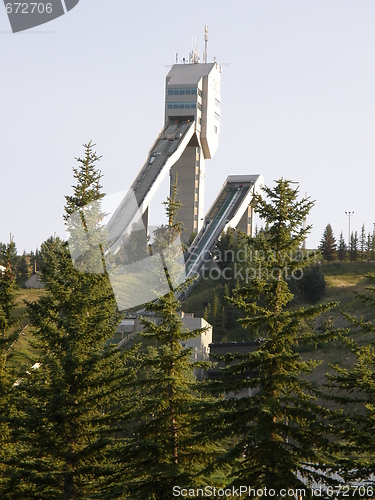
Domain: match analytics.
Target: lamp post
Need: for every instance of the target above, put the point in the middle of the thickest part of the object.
(349, 214)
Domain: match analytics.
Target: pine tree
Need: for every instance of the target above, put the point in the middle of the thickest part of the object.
(354, 389)
(328, 245)
(68, 408)
(342, 249)
(280, 428)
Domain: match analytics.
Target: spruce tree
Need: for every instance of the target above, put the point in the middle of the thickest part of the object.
(353, 248)
(368, 247)
(166, 448)
(22, 270)
(362, 243)
(328, 245)
(342, 249)
(279, 432)
(68, 406)
(8, 335)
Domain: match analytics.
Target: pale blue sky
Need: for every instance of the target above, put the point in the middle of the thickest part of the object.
(298, 101)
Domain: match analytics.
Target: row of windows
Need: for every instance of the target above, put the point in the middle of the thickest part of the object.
(217, 117)
(218, 104)
(186, 91)
(184, 105)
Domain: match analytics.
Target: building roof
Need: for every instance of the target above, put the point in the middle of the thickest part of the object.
(188, 74)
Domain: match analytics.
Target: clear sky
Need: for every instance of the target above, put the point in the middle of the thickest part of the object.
(298, 101)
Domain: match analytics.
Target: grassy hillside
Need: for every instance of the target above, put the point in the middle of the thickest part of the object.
(23, 352)
(343, 280)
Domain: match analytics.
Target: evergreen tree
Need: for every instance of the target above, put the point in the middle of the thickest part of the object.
(368, 247)
(68, 408)
(342, 249)
(22, 269)
(353, 250)
(328, 245)
(280, 428)
(362, 243)
(7, 337)
(354, 390)
(8, 255)
(35, 260)
(312, 284)
(167, 448)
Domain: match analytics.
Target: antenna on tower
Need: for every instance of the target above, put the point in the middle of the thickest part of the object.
(205, 43)
(194, 54)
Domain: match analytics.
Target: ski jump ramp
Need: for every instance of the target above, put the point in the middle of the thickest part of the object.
(165, 152)
(232, 208)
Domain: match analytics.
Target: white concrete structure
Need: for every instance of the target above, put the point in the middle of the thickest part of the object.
(200, 344)
(193, 94)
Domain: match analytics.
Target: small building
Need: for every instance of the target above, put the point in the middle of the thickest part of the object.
(34, 282)
(242, 348)
(129, 327)
(2, 270)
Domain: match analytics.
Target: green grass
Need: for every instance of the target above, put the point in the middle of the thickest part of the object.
(23, 352)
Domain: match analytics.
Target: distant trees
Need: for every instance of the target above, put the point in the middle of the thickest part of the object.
(353, 248)
(342, 248)
(359, 248)
(328, 245)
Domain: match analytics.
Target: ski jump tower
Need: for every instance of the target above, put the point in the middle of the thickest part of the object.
(193, 95)
(189, 137)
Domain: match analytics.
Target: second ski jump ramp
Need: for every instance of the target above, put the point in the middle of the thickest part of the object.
(227, 211)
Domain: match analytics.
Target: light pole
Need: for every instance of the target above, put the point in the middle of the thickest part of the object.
(349, 214)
